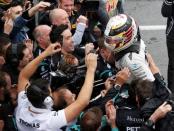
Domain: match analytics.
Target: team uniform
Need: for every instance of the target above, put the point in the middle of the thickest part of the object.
(29, 118)
(137, 64)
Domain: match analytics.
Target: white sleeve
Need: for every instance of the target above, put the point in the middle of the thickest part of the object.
(138, 66)
(22, 98)
(57, 120)
(77, 37)
(140, 70)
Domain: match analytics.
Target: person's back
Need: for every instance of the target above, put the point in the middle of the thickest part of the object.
(34, 110)
(36, 119)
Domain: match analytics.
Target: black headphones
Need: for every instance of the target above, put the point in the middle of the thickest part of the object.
(46, 100)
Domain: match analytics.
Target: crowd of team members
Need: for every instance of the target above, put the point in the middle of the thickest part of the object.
(60, 70)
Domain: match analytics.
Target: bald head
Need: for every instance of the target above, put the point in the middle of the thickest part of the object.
(41, 35)
(59, 16)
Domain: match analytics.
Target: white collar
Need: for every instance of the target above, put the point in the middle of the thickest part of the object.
(37, 110)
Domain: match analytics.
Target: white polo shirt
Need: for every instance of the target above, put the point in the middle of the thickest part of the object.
(29, 118)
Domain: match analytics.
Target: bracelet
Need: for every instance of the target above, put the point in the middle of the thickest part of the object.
(149, 124)
(117, 86)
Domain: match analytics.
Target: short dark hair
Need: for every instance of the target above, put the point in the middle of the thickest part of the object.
(91, 119)
(143, 90)
(55, 34)
(16, 3)
(37, 91)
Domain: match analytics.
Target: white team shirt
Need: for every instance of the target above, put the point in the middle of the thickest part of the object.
(29, 118)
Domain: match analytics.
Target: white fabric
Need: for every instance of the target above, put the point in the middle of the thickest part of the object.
(77, 37)
(29, 118)
(137, 64)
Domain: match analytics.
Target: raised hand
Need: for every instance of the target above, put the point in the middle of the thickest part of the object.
(29, 45)
(42, 5)
(161, 112)
(27, 5)
(89, 47)
(52, 49)
(109, 83)
(8, 25)
(91, 61)
(82, 19)
(122, 76)
(110, 113)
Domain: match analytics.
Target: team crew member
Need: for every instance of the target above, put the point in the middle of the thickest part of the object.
(60, 16)
(41, 35)
(33, 112)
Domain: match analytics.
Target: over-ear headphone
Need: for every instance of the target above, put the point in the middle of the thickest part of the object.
(46, 100)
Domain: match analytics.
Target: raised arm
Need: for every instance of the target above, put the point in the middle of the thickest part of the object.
(111, 115)
(30, 69)
(161, 89)
(73, 110)
(38, 7)
(81, 25)
(153, 67)
(158, 114)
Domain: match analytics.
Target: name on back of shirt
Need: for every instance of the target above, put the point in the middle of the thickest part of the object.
(32, 125)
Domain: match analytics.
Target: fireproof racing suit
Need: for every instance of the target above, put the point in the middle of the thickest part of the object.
(137, 64)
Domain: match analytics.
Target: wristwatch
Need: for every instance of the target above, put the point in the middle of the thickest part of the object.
(117, 86)
(150, 124)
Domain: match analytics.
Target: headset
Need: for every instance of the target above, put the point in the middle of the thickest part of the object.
(47, 100)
